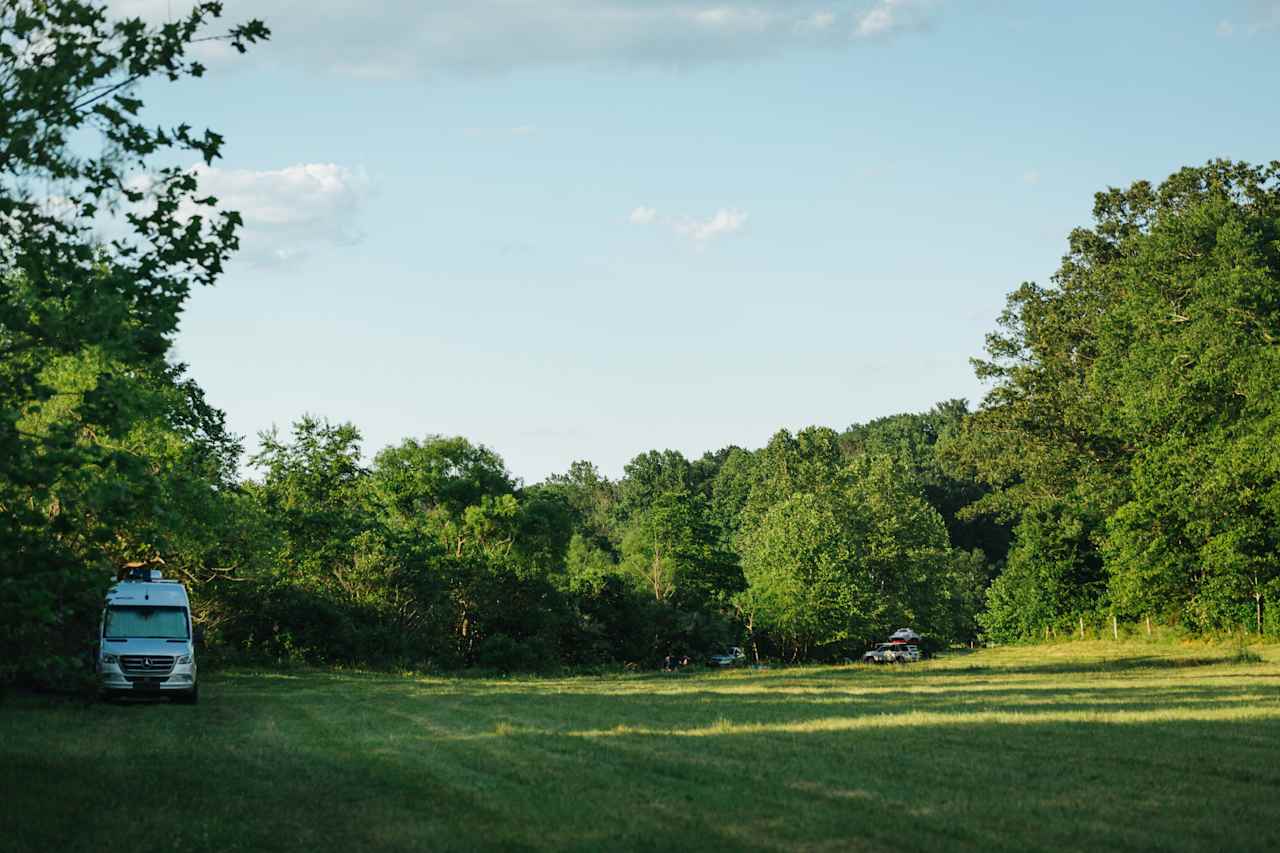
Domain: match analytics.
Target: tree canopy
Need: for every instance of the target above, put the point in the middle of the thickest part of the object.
(1132, 426)
(106, 451)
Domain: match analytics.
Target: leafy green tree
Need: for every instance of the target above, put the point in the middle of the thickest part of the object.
(672, 551)
(319, 600)
(1189, 354)
(1054, 576)
(863, 553)
(915, 440)
(730, 490)
(312, 488)
(907, 555)
(592, 499)
(434, 482)
(494, 549)
(649, 475)
(809, 461)
(801, 563)
(1138, 396)
(587, 565)
(74, 147)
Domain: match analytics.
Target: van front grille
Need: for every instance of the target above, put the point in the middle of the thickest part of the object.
(146, 664)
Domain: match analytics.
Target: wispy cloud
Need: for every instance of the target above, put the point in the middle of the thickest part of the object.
(723, 222)
(286, 213)
(701, 230)
(290, 212)
(887, 17)
(643, 215)
(407, 38)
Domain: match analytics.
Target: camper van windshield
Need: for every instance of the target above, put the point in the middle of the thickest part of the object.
(161, 623)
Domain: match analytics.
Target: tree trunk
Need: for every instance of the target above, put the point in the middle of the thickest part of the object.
(751, 632)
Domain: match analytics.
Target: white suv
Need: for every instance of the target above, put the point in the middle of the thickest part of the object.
(887, 653)
(911, 651)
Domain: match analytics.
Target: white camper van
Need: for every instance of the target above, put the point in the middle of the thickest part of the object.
(147, 644)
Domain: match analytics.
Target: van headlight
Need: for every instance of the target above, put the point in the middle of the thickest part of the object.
(184, 659)
(107, 657)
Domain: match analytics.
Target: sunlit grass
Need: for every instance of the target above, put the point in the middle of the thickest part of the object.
(1129, 745)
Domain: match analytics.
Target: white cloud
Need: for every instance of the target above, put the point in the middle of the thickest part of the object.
(643, 215)
(292, 211)
(887, 17)
(286, 213)
(723, 222)
(727, 16)
(878, 20)
(407, 38)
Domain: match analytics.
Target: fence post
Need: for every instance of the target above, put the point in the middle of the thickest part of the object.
(1082, 627)
(1115, 629)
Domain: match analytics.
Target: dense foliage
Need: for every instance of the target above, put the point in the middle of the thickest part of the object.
(435, 555)
(1124, 464)
(107, 454)
(1133, 429)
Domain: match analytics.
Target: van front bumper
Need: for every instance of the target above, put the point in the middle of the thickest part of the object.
(112, 680)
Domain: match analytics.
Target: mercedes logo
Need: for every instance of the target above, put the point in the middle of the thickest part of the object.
(146, 661)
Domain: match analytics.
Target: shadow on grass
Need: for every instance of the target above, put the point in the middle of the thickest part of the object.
(316, 775)
(294, 679)
(1151, 663)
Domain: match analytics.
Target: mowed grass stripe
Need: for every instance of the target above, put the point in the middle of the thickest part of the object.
(1130, 746)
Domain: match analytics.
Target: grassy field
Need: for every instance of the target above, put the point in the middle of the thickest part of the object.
(1083, 745)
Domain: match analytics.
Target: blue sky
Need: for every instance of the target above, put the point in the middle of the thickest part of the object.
(588, 228)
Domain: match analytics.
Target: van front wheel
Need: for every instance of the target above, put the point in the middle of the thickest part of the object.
(190, 697)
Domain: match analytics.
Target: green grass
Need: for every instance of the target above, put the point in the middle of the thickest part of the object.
(1073, 745)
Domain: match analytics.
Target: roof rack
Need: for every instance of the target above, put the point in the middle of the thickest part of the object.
(147, 576)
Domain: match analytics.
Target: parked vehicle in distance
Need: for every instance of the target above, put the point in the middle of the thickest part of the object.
(147, 646)
(912, 652)
(729, 657)
(887, 653)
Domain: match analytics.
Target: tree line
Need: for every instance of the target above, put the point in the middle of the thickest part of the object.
(1123, 464)
(434, 554)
